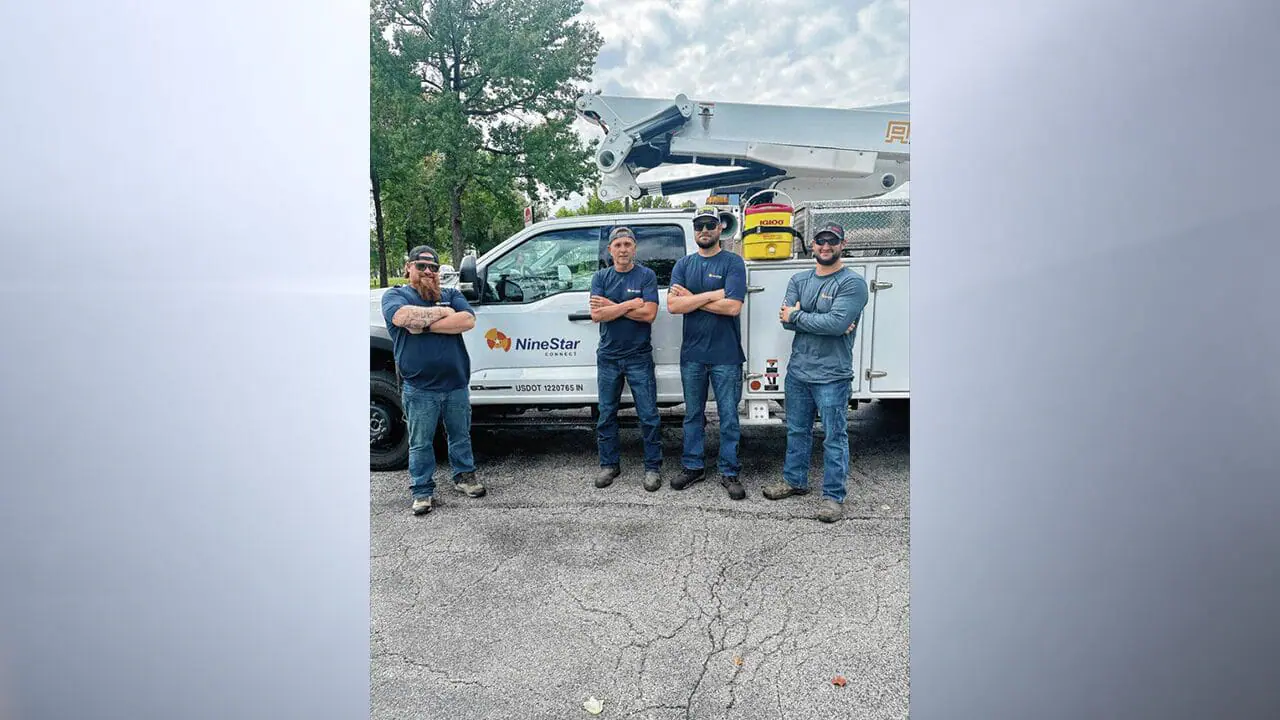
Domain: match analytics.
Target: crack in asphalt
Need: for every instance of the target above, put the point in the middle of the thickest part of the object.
(418, 664)
(717, 620)
(649, 708)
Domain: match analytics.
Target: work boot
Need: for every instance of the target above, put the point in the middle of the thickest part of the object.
(782, 489)
(606, 476)
(687, 478)
(468, 485)
(830, 511)
(730, 483)
(422, 506)
(652, 480)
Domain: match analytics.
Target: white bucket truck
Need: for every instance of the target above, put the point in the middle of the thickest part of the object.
(534, 344)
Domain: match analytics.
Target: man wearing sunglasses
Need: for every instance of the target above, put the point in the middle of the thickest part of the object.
(708, 288)
(426, 325)
(822, 307)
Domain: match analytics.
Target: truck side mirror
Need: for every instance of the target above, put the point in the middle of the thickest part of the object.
(469, 279)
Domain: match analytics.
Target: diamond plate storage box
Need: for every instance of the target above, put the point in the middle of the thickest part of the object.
(874, 227)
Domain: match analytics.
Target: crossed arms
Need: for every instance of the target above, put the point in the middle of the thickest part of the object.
(839, 320)
(637, 308)
(441, 320)
(680, 302)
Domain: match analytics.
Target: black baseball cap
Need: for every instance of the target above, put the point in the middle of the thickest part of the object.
(424, 252)
(832, 229)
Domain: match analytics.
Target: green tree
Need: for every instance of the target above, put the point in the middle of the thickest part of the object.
(402, 167)
(491, 216)
(654, 201)
(498, 81)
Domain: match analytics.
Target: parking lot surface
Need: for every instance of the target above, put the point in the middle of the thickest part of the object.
(664, 605)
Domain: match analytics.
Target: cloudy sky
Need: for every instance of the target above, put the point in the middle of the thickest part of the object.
(824, 53)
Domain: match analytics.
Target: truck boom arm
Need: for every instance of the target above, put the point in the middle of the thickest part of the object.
(778, 142)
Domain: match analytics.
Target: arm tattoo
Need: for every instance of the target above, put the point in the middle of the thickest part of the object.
(421, 318)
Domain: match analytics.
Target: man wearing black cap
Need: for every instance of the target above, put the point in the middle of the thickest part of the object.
(624, 300)
(822, 306)
(708, 288)
(426, 325)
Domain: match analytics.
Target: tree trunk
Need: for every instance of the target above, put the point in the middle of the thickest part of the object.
(409, 241)
(377, 213)
(455, 221)
(431, 222)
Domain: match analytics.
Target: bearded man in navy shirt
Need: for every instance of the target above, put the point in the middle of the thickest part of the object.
(708, 288)
(426, 324)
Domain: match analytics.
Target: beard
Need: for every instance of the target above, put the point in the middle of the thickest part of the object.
(707, 243)
(835, 257)
(429, 289)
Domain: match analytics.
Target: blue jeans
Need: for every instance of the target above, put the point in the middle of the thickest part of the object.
(425, 410)
(830, 401)
(726, 381)
(638, 372)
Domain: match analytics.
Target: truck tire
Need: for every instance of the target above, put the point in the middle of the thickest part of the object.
(388, 432)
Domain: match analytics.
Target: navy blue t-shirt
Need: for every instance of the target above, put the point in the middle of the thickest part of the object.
(624, 337)
(435, 362)
(708, 337)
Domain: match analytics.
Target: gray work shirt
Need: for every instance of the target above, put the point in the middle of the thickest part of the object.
(826, 324)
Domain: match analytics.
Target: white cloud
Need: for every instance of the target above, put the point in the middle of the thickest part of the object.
(822, 53)
(848, 53)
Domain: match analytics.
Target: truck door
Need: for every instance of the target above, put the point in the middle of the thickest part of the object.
(534, 340)
(889, 367)
(768, 343)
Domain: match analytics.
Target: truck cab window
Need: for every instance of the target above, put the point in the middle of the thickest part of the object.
(658, 247)
(555, 262)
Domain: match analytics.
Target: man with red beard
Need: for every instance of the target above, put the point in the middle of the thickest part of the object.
(822, 307)
(426, 325)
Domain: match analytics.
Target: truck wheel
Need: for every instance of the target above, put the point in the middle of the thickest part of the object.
(388, 433)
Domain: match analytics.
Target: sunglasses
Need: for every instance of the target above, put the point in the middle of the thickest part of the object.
(425, 266)
(705, 224)
(826, 240)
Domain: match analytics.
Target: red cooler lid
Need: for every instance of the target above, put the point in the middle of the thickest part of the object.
(768, 207)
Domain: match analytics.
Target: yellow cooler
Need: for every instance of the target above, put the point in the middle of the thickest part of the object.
(767, 231)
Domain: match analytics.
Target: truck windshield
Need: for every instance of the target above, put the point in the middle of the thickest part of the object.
(554, 262)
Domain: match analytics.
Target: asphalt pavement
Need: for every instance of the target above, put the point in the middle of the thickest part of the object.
(547, 592)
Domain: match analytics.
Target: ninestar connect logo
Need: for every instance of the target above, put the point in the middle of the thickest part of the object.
(497, 340)
(553, 347)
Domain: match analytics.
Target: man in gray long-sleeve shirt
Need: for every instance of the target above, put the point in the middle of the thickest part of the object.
(822, 306)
